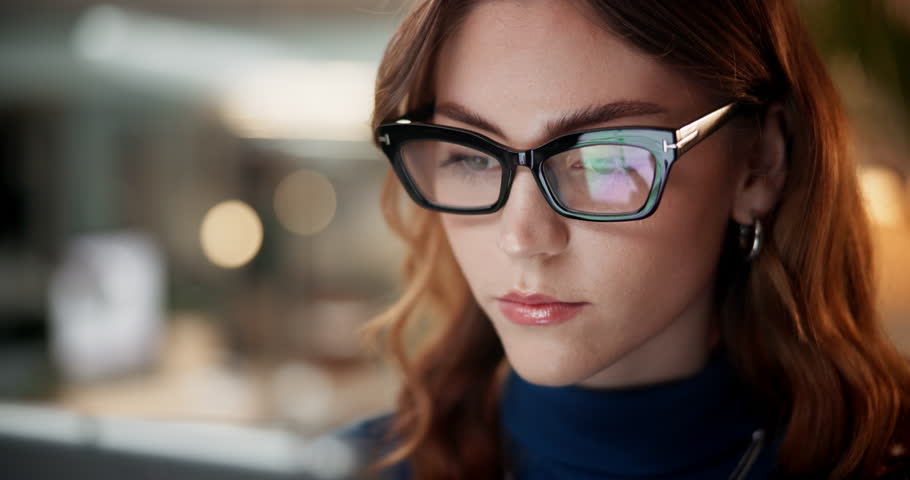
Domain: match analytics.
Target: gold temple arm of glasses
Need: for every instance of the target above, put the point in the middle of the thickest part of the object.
(689, 135)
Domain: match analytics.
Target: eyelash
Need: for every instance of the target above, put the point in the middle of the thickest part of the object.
(455, 158)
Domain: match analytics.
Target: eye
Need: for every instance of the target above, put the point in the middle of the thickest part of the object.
(472, 162)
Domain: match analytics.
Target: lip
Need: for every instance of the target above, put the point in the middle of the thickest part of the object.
(537, 309)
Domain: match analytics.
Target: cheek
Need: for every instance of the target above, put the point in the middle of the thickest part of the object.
(473, 242)
(688, 227)
(698, 199)
(650, 271)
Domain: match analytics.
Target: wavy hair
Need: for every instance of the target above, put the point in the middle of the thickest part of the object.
(799, 323)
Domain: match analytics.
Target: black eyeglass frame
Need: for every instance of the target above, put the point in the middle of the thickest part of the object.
(666, 145)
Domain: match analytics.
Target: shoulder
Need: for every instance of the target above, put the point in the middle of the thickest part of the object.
(366, 430)
(359, 444)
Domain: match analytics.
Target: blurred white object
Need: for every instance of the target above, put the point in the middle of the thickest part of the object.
(201, 443)
(316, 100)
(106, 306)
(262, 88)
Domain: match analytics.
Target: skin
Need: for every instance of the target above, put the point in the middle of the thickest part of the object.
(648, 283)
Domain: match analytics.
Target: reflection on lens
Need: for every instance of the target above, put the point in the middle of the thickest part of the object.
(452, 175)
(602, 179)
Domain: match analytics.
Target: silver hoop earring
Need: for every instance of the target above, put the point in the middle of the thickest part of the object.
(753, 233)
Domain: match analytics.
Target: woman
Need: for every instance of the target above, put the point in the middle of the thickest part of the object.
(638, 250)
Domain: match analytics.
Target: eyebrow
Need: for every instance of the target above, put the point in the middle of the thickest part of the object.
(567, 123)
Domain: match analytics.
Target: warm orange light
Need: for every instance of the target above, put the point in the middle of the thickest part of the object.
(883, 194)
(231, 234)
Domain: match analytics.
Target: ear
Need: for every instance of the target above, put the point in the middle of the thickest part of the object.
(761, 177)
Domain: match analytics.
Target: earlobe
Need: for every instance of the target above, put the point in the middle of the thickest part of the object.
(761, 178)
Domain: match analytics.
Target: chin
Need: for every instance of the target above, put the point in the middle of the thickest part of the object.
(541, 369)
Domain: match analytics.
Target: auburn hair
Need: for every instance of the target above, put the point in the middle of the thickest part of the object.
(799, 323)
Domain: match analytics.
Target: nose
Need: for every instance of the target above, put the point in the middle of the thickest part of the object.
(529, 227)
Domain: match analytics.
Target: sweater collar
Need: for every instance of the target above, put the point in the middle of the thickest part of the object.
(659, 429)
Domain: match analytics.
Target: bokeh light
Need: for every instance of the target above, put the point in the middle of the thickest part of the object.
(305, 202)
(231, 234)
(883, 194)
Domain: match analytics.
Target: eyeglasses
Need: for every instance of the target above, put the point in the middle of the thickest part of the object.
(601, 175)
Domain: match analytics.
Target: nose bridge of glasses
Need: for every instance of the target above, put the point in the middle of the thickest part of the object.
(525, 158)
(532, 181)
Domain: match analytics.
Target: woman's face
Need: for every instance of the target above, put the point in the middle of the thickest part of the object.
(631, 302)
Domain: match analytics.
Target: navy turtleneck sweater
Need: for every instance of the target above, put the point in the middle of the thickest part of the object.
(699, 427)
(695, 428)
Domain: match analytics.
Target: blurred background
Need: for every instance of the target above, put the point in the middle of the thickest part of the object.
(189, 225)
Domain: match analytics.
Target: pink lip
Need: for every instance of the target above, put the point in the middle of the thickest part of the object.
(537, 309)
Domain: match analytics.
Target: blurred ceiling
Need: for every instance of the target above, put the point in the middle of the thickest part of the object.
(228, 8)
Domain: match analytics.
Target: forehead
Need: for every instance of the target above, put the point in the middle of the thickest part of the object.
(520, 65)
